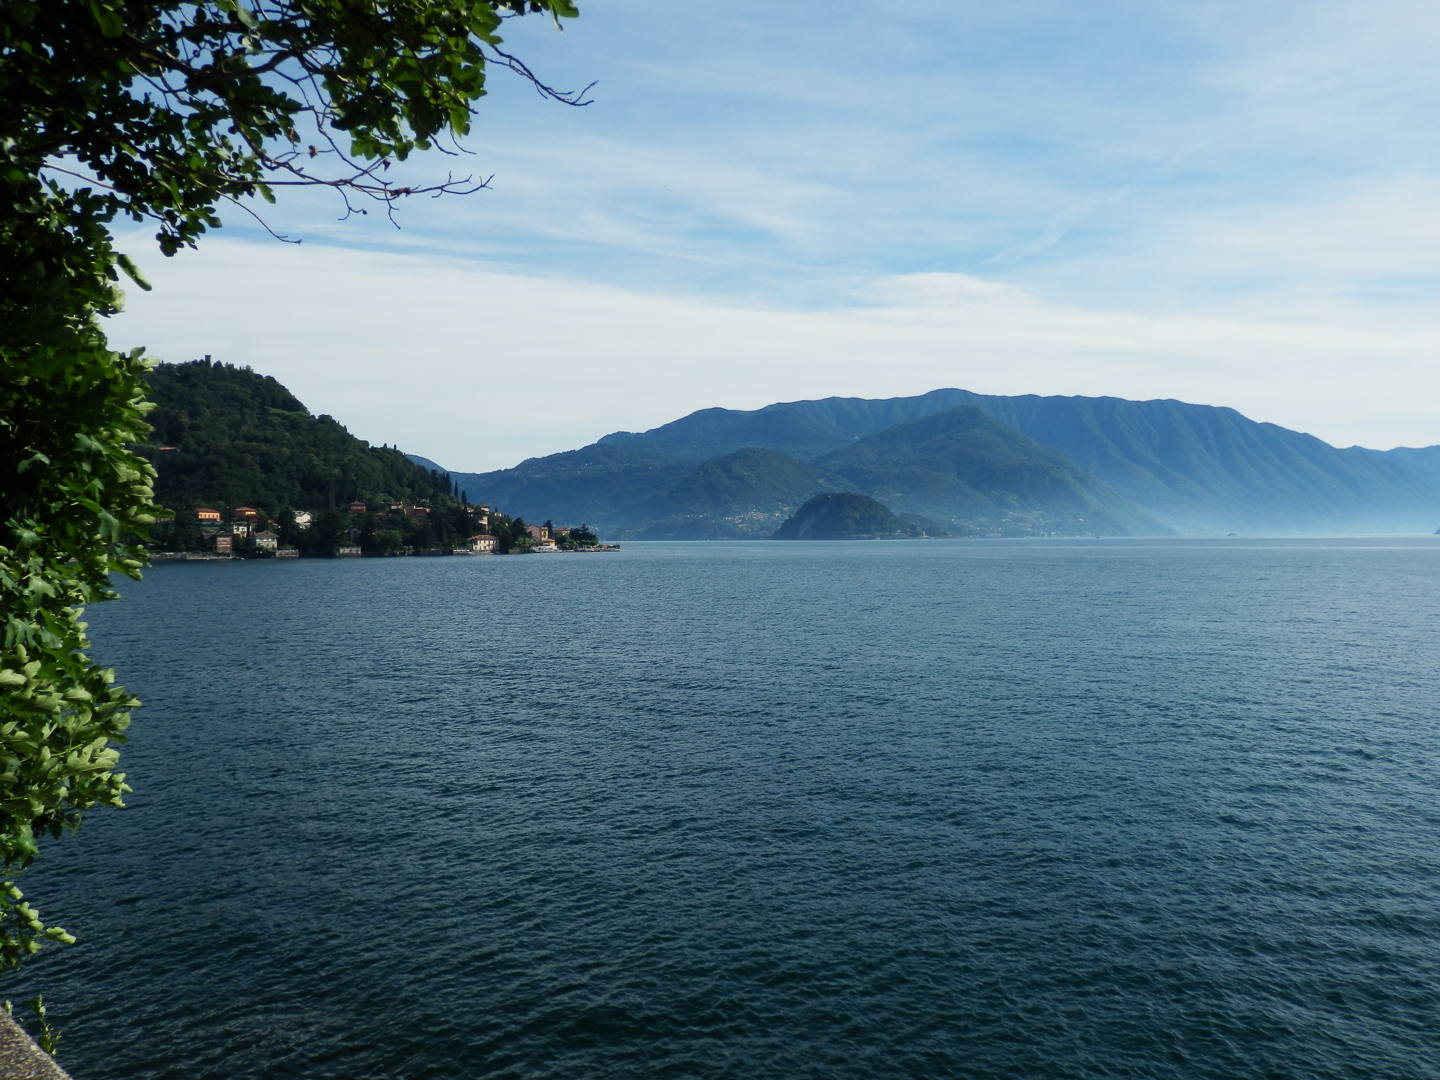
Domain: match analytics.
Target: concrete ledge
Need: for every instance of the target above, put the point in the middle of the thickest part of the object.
(21, 1059)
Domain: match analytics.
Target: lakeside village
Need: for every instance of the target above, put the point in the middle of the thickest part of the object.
(391, 529)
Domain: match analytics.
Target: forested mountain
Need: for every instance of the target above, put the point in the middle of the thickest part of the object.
(743, 494)
(803, 429)
(975, 464)
(572, 486)
(1211, 469)
(965, 467)
(844, 515)
(1135, 467)
(748, 480)
(227, 436)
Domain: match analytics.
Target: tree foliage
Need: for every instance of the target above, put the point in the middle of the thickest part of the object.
(163, 110)
(160, 111)
(70, 408)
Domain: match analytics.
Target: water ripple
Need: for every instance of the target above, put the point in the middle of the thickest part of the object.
(981, 809)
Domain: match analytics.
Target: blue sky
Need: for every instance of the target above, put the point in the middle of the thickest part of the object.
(1226, 203)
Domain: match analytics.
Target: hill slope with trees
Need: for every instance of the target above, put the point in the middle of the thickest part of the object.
(845, 515)
(227, 435)
(964, 467)
(742, 495)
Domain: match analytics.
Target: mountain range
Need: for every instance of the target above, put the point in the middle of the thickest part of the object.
(976, 464)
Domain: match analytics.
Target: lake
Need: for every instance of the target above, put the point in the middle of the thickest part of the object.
(1050, 809)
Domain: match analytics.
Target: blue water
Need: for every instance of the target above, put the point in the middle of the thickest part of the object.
(921, 809)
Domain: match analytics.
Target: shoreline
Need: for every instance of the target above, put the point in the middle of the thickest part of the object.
(210, 556)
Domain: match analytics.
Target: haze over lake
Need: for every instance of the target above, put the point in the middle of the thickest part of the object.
(1044, 809)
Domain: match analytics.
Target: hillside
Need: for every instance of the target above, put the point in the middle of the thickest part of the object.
(963, 467)
(1211, 469)
(741, 495)
(228, 436)
(242, 447)
(1150, 466)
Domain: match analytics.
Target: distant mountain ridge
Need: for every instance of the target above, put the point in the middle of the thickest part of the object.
(1114, 466)
(426, 464)
(734, 495)
(963, 466)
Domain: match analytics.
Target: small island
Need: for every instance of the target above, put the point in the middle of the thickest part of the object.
(843, 515)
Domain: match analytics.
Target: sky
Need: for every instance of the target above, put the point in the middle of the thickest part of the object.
(1226, 203)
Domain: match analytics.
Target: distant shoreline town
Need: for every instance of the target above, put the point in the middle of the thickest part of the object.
(390, 529)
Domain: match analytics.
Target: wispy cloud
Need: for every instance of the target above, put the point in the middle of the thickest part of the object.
(1220, 201)
(478, 367)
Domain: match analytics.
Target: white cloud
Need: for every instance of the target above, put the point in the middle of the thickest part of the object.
(479, 368)
(1220, 201)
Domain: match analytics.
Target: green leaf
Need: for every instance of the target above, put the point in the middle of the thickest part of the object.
(132, 271)
(110, 21)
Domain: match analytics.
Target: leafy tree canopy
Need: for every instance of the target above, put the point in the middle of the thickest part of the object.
(162, 110)
(159, 111)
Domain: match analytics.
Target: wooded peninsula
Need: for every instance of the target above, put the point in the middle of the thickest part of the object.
(245, 470)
